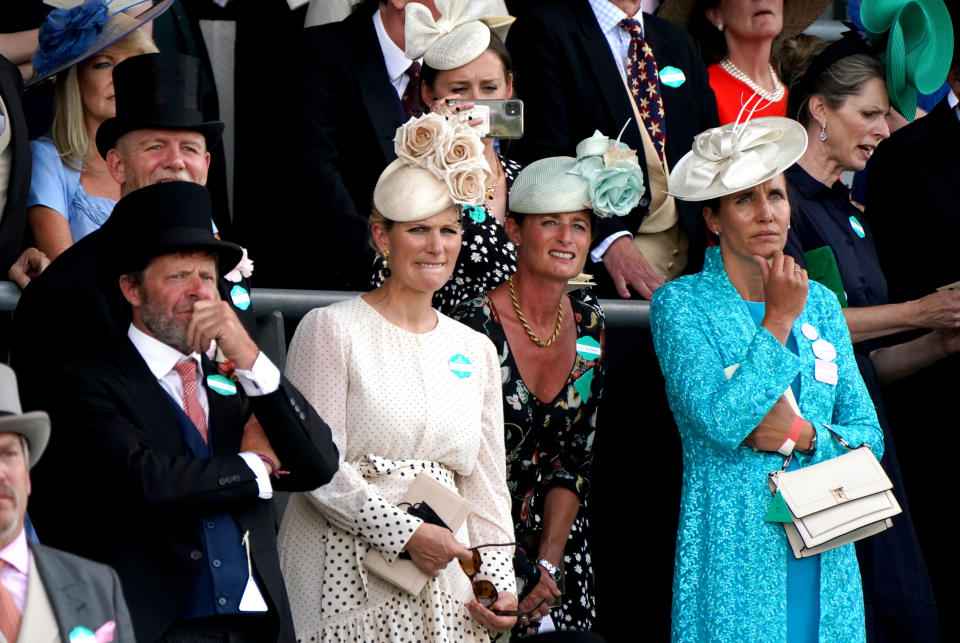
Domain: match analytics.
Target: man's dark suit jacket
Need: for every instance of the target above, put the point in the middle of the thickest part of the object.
(571, 86)
(913, 206)
(82, 593)
(116, 484)
(349, 115)
(13, 220)
(75, 311)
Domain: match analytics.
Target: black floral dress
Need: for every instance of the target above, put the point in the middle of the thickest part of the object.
(550, 444)
(486, 260)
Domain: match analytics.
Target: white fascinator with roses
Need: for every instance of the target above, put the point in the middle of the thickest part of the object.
(439, 163)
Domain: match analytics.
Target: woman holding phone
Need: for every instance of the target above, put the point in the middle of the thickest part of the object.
(468, 61)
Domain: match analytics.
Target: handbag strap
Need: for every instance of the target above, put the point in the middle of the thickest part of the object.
(789, 458)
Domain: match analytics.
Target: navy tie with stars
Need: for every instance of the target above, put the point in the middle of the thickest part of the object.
(643, 78)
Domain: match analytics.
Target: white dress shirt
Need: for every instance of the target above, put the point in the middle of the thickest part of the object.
(397, 63)
(262, 379)
(14, 576)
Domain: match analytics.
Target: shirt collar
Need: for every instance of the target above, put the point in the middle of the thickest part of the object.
(952, 99)
(393, 57)
(806, 184)
(17, 553)
(609, 16)
(159, 357)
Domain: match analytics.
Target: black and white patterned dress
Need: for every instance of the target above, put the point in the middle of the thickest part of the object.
(487, 258)
(549, 443)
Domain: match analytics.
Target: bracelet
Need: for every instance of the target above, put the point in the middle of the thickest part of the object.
(796, 428)
(277, 471)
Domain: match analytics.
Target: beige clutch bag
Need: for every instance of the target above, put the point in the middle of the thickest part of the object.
(447, 504)
(835, 502)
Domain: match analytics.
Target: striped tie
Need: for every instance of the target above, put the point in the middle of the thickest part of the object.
(191, 405)
(9, 613)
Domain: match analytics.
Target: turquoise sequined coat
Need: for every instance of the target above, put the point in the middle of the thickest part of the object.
(730, 573)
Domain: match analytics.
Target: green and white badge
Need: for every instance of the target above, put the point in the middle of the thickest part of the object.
(460, 366)
(588, 348)
(221, 385)
(240, 297)
(857, 227)
(672, 77)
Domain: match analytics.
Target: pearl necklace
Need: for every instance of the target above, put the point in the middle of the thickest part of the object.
(775, 96)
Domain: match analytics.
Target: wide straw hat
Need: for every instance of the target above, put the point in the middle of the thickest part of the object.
(34, 426)
(797, 14)
(70, 36)
(915, 43)
(457, 37)
(737, 156)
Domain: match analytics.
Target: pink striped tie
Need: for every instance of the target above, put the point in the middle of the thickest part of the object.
(9, 612)
(191, 405)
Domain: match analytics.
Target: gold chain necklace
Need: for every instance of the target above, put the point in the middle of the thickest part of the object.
(490, 189)
(523, 322)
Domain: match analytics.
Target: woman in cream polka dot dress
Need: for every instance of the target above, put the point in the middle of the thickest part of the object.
(407, 392)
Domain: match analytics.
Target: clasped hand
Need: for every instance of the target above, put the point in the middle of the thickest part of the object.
(215, 320)
(785, 288)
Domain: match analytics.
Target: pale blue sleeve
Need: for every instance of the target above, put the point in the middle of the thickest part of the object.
(52, 184)
(717, 410)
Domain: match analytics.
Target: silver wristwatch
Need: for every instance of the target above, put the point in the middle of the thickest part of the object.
(552, 569)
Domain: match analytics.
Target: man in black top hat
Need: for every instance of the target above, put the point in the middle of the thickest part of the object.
(70, 311)
(179, 455)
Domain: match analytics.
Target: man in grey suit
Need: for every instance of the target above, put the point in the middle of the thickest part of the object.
(46, 595)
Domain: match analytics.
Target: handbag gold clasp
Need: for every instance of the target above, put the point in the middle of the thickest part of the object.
(839, 494)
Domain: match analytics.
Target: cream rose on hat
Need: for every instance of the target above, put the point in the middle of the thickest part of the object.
(439, 163)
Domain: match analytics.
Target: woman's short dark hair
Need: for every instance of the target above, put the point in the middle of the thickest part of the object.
(428, 75)
(712, 43)
(844, 78)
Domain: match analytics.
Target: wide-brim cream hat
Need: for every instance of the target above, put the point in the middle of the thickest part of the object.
(797, 14)
(457, 37)
(737, 156)
(34, 426)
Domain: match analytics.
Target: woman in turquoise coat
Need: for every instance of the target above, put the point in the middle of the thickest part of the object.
(731, 340)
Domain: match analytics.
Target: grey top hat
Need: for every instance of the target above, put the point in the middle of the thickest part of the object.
(34, 426)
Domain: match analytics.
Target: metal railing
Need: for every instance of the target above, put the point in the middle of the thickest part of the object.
(294, 304)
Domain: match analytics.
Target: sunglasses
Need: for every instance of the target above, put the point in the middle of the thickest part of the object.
(483, 590)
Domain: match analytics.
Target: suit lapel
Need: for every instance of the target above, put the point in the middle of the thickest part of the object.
(154, 408)
(40, 622)
(379, 96)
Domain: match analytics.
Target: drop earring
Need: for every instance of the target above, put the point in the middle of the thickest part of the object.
(823, 131)
(386, 266)
(719, 26)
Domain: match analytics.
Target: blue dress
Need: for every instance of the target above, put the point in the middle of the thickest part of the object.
(730, 578)
(57, 187)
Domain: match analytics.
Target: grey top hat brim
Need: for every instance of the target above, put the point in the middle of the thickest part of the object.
(34, 426)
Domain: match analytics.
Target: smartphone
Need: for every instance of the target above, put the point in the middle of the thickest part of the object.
(501, 118)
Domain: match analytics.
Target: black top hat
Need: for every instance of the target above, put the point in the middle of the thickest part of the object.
(161, 219)
(157, 91)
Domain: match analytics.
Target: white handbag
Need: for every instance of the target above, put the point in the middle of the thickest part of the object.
(835, 502)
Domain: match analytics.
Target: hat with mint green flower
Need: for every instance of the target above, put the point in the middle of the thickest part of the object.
(605, 177)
